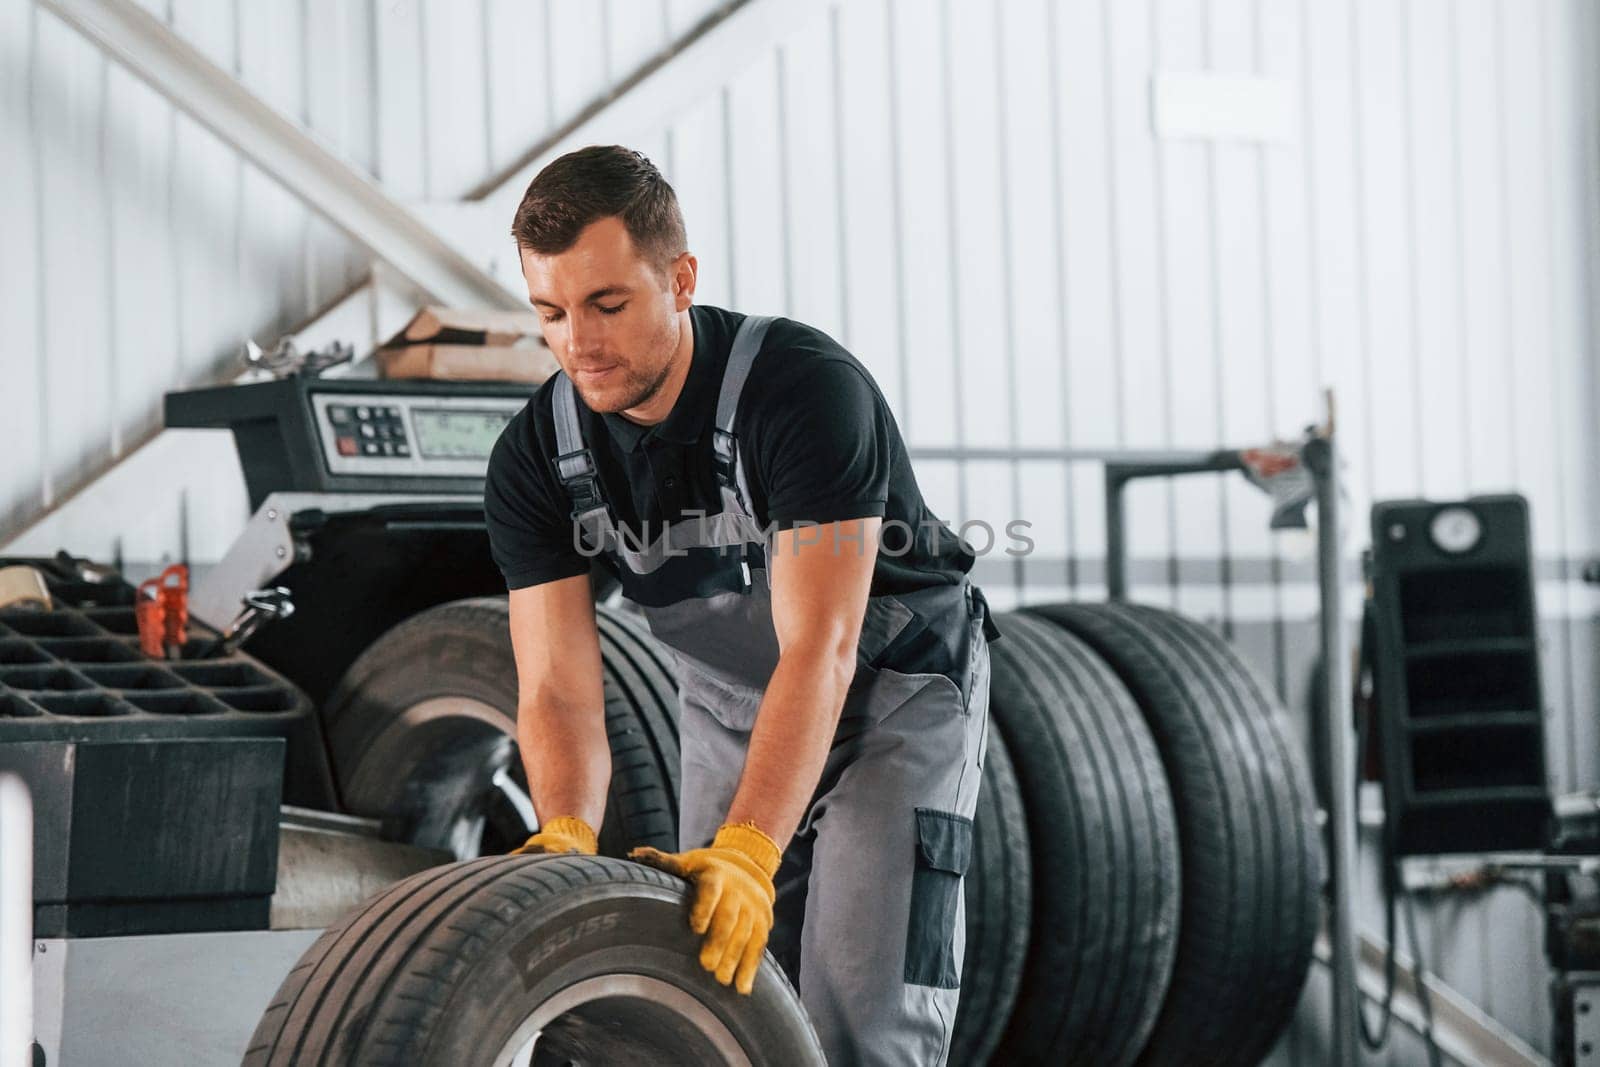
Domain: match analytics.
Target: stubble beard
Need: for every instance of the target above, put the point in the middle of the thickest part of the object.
(634, 389)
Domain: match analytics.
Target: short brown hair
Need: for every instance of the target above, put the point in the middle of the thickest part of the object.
(594, 183)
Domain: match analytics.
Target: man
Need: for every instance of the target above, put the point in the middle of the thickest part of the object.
(746, 482)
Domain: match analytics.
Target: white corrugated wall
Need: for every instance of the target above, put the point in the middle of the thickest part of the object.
(970, 196)
(140, 250)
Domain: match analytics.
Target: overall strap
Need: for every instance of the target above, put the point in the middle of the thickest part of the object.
(575, 464)
(725, 445)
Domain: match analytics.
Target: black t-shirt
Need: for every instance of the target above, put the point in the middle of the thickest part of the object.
(816, 438)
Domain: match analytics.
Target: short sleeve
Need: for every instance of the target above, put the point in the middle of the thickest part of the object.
(530, 533)
(822, 447)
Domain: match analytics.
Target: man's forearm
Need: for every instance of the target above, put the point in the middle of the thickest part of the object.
(567, 757)
(789, 745)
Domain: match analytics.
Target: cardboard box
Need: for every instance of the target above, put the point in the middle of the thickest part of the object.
(462, 344)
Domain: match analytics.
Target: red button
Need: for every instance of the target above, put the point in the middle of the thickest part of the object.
(347, 446)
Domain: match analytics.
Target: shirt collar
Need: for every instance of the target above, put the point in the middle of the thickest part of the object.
(686, 422)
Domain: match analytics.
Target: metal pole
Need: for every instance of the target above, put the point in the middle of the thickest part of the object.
(16, 922)
(1116, 535)
(1321, 457)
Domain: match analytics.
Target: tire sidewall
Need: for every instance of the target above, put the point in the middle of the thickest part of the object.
(440, 662)
(621, 929)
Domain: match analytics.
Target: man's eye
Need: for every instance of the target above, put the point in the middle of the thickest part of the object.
(548, 319)
(611, 311)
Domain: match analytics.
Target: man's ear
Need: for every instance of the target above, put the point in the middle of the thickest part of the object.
(685, 270)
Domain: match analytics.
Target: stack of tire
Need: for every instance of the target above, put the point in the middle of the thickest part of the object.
(1144, 886)
(1176, 866)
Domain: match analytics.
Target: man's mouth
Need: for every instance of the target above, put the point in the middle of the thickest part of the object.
(594, 374)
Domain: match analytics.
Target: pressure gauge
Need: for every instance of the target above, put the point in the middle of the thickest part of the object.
(1456, 530)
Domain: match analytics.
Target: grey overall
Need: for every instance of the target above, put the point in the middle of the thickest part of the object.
(870, 912)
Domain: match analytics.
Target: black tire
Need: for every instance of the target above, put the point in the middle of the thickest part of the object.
(445, 967)
(1104, 845)
(645, 768)
(1247, 831)
(999, 901)
(424, 722)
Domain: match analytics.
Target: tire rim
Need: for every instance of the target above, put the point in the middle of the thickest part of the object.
(622, 1018)
(469, 772)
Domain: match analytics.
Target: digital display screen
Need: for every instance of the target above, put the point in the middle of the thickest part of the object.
(454, 433)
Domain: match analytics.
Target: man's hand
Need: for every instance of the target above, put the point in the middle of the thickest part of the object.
(568, 833)
(733, 897)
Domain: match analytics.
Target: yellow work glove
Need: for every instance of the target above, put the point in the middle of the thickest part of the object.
(565, 834)
(733, 897)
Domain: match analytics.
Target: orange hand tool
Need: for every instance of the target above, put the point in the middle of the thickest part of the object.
(162, 612)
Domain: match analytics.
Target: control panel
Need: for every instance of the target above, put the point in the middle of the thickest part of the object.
(358, 435)
(407, 435)
(368, 430)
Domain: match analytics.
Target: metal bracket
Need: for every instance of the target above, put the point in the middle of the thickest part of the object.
(266, 548)
(1584, 989)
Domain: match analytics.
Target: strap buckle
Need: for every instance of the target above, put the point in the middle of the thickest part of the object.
(725, 449)
(580, 477)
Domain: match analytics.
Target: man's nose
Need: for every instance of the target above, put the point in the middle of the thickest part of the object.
(583, 336)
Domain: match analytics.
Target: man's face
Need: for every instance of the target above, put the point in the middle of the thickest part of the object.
(610, 318)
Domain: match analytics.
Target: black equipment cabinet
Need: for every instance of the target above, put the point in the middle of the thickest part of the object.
(1456, 676)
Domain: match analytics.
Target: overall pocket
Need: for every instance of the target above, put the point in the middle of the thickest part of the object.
(730, 703)
(884, 621)
(944, 850)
